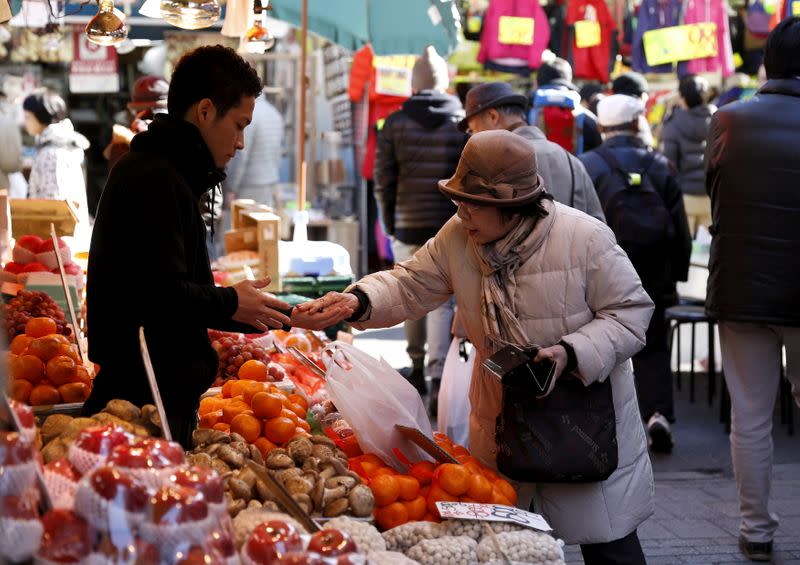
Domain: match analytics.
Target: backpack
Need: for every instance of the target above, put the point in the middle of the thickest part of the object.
(559, 115)
(634, 209)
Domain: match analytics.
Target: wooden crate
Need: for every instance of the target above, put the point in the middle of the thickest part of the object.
(261, 234)
(239, 210)
(33, 217)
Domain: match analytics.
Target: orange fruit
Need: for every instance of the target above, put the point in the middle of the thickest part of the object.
(480, 489)
(252, 388)
(490, 474)
(300, 432)
(232, 388)
(20, 343)
(209, 404)
(303, 425)
(247, 426)
(372, 458)
(299, 411)
(264, 446)
(45, 348)
(253, 370)
(73, 392)
(460, 451)
(391, 516)
(370, 468)
(20, 390)
(431, 518)
(40, 327)
(210, 419)
(222, 427)
(388, 471)
(42, 395)
(416, 508)
(61, 370)
(453, 478)
(279, 430)
(385, 489)
(423, 472)
(298, 399)
(27, 367)
(266, 405)
(82, 375)
(286, 413)
(409, 487)
(233, 408)
(498, 498)
(506, 489)
(423, 491)
(437, 493)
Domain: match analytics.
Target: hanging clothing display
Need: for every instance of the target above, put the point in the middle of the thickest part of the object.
(654, 14)
(514, 35)
(380, 105)
(714, 11)
(592, 32)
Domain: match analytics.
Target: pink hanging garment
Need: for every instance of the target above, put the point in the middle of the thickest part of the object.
(493, 50)
(715, 11)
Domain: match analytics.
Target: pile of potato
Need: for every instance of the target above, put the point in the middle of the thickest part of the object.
(312, 470)
(58, 431)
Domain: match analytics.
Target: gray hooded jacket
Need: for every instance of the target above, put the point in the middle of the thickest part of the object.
(683, 141)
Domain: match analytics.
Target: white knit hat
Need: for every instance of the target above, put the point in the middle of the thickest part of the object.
(430, 72)
(619, 109)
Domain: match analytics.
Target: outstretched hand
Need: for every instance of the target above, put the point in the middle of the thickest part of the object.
(326, 311)
(259, 309)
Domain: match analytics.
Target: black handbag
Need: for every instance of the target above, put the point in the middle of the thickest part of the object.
(569, 436)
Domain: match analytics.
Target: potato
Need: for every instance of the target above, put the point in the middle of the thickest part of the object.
(56, 449)
(106, 418)
(122, 409)
(54, 426)
(75, 427)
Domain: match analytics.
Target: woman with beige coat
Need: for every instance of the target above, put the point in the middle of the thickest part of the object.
(526, 270)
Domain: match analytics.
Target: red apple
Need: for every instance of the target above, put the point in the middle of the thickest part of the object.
(24, 414)
(35, 267)
(332, 543)
(111, 484)
(101, 440)
(272, 540)
(13, 267)
(177, 505)
(66, 537)
(47, 245)
(13, 449)
(64, 468)
(30, 242)
(17, 507)
(302, 558)
(202, 479)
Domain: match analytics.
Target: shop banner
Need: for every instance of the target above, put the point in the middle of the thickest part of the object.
(94, 67)
(393, 74)
(587, 33)
(680, 43)
(492, 513)
(796, 8)
(515, 31)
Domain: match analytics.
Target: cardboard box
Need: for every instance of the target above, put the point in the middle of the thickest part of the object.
(33, 217)
(262, 237)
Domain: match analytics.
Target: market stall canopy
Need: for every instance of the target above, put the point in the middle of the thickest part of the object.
(391, 26)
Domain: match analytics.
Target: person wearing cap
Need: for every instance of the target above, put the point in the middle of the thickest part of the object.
(493, 105)
(527, 270)
(659, 266)
(554, 89)
(635, 85)
(418, 145)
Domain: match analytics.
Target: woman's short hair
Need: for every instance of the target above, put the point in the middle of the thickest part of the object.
(694, 90)
(532, 209)
(47, 107)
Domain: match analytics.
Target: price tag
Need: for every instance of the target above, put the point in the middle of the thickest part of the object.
(796, 8)
(515, 31)
(493, 513)
(680, 43)
(587, 33)
(474, 24)
(393, 81)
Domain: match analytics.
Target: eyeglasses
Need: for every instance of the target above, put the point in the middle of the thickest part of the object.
(467, 207)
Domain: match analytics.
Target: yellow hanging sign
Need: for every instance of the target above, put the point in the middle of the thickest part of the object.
(393, 81)
(796, 8)
(515, 31)
(680, 43)
(587, 33)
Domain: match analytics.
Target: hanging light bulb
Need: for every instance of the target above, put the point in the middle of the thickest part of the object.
(258, 39)
(190, 14)
(107, 27)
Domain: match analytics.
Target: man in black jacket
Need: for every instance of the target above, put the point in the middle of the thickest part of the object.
(148, 264)
(659, 261)
(417, 146)
(752, 161)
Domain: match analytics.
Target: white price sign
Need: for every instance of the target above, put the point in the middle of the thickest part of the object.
(492, 513)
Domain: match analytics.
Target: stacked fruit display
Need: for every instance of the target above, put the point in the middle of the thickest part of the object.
(33, 304)
(33, 254)
(234, 350)
(45, 368)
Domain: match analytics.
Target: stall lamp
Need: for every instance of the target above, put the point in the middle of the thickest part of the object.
(107, 27)
(190, 14)
(258, 38)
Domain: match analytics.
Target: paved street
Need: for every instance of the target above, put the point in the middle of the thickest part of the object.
(696, 519)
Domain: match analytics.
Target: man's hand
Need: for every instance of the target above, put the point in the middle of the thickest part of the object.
(326, 311)
(558, 355)
(257, 308)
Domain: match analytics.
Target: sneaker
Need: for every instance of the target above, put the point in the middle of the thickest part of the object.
(756, 551)
(659, 434)
(417, 378)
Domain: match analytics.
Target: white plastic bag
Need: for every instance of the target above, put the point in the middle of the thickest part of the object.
(454, 406)
(373, 397)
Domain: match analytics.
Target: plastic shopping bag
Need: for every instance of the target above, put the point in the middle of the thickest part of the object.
(454, 406)
(373, 397)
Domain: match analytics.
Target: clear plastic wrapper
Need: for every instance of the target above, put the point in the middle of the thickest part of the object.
(93, 446)
(17, 465)
(20, 528)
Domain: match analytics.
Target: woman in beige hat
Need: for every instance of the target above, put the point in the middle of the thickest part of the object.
(526, 270)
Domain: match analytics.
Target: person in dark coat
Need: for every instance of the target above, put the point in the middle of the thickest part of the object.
(754, 283)
(660, 267)
(418, 145)
(683, 142)
(148, 263)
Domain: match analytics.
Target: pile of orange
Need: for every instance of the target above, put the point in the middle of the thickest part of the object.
(412, 497)
(45, 368)
(260, 412)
